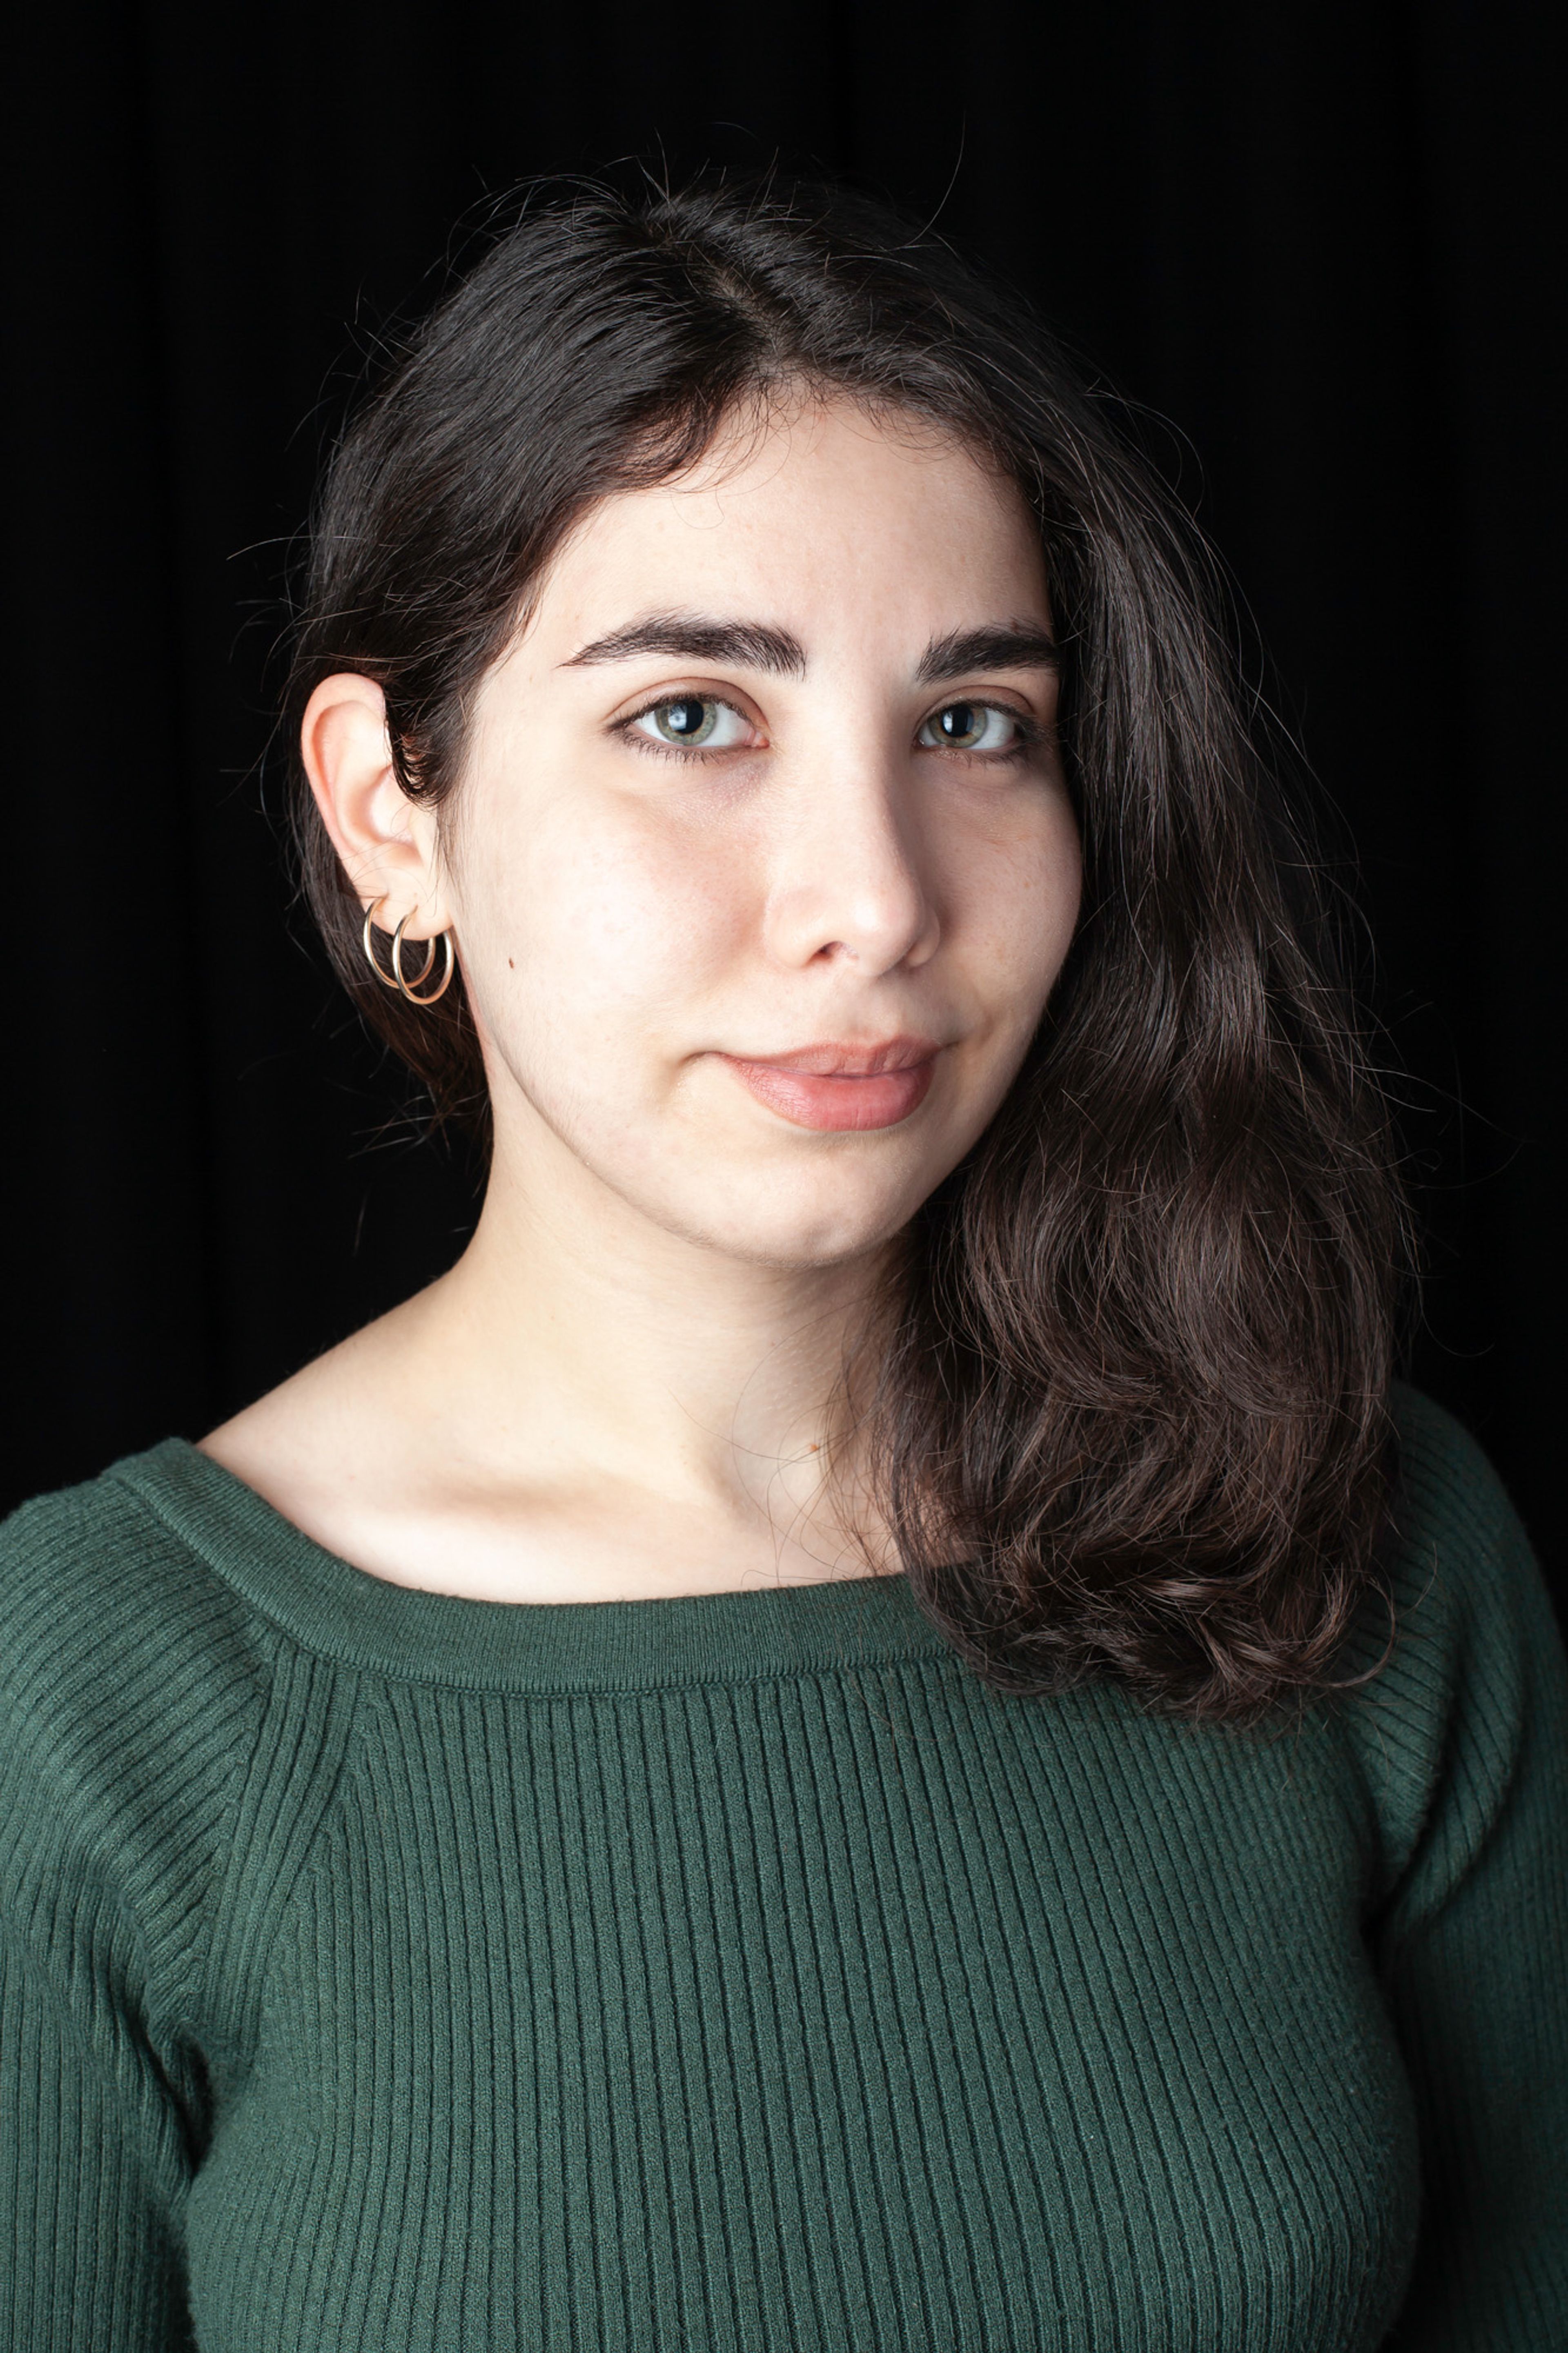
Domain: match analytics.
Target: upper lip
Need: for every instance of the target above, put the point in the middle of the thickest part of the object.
(834, 1060)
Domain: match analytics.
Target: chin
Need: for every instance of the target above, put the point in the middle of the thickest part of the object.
(822, 1229)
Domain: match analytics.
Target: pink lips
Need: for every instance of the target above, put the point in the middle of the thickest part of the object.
(843, 1086)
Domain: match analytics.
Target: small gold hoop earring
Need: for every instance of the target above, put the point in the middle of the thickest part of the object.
(423, 975)
(397, 979)
(370, 956)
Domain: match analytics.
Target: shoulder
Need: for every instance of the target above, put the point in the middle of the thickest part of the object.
(1463, 1582)
(132, 1683)
(101, 1589)
(1465, 1703)
(1450, 1506)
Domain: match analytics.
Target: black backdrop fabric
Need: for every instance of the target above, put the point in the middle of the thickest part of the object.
(1314, 240)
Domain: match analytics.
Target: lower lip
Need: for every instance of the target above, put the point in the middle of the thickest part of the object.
(808, 1101)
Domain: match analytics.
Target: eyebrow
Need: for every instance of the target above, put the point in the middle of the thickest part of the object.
(756, 645)
(691, 636)
(1013, 646)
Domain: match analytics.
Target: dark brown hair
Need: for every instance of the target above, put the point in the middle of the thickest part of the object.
(1132, 1417)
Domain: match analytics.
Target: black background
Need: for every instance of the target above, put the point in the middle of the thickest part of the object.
(1317, 237)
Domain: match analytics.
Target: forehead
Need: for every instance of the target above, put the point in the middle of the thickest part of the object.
(815, 513)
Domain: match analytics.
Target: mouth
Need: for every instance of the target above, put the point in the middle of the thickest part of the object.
(842, 1087)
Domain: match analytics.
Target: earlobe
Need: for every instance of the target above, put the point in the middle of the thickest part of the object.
(380, 837)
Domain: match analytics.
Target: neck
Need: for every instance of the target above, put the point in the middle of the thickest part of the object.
(577, 1339)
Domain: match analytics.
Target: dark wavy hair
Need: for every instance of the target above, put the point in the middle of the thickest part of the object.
(1131, 1418)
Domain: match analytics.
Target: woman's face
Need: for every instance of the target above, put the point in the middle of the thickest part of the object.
(762, 865)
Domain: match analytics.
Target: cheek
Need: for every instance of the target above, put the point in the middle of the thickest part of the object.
(1021, 902)
(1062, 893)
(591, 921)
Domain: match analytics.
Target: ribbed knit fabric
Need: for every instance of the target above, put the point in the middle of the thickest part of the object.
(388, 1972)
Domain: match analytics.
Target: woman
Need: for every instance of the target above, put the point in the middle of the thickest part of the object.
(851, 1734)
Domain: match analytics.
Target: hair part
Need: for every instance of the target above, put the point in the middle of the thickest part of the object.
(1131, 1415)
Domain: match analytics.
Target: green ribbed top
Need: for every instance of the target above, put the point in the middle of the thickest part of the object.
(385, 1972)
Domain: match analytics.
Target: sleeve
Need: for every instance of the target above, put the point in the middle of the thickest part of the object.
(94, 2154)
(113, 1773)
(1472, 1943)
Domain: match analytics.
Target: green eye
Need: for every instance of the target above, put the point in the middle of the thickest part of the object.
(691, 720)
(692, 723)
(971, 727)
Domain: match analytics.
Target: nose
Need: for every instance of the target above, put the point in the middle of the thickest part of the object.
(847, 880)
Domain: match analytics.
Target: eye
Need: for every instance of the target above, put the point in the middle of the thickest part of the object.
(973, 727)
(691, 722)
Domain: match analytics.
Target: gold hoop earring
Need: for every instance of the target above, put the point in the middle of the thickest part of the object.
(369, 944)
(405, 983)
(423, 975)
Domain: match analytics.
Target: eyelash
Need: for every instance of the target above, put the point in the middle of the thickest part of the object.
(1031, 735)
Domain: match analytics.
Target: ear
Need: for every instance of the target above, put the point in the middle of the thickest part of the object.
(388, 843)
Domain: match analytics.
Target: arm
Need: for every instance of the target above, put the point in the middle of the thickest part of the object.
(94, 2157)
(124, 1728)
(1472, 1944)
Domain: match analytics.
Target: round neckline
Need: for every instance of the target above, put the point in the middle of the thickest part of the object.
(406, 1633)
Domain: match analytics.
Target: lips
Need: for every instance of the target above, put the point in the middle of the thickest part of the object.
(842, 1087)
